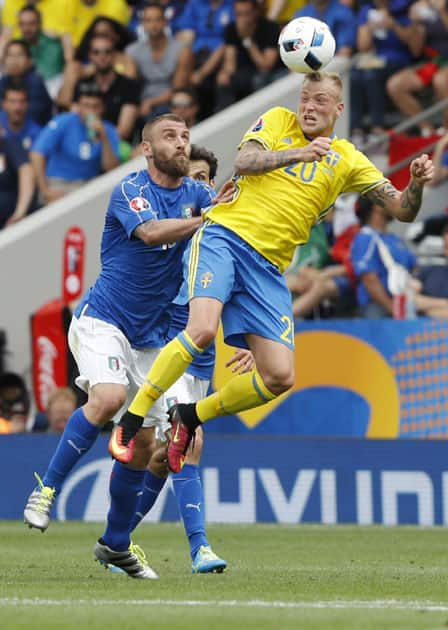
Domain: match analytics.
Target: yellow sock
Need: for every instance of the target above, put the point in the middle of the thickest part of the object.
(244, 391)
(170, 364)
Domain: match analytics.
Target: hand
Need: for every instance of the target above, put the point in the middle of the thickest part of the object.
(422, 169)
(242, 361)
(96, 124)
(145, 108)
(197, 77)
(52, 194)
(226, 193)
(315, 150)
(14, 218)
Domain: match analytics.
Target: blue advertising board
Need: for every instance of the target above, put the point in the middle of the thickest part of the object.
(249, 479)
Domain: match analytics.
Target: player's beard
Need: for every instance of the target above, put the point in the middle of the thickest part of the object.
(174, 167)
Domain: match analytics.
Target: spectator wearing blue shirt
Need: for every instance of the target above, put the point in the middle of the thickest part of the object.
(202, 27)
(14, 119)
(374, 298)
(75, 147)
(385, 39)
(17, 182)
(340, 19)
(18, 70)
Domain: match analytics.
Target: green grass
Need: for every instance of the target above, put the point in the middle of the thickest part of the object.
(304, 564)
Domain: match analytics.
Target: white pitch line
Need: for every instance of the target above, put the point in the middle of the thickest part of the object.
(390, 604)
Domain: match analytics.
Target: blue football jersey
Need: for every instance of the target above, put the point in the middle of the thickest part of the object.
(138, 282)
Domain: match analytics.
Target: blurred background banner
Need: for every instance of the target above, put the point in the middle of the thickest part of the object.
(250, 479)
(357, 378)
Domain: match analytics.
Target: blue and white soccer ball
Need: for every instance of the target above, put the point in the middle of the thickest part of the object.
(306, 45)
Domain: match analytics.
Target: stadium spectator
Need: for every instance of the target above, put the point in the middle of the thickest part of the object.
(121, 37)
(185, 104)
(434, 278)
(163, 62)
(61, 404)
(19, 71)
(14, 403)
(251, 57)
(75, 147)
(55, 22)
(173, 13)
(372, 271)
(430, 19)
(121, 94)
(17, 182)
(440, 160)
(81, 14)
(14, 119)
(202, 27)
(340, 19)
(386, 41)
(46, 52)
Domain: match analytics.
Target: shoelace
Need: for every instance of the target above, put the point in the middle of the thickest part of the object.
(46, 495)
(138, 552)
(207, 553)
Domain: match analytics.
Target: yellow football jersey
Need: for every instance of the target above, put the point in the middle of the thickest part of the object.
(275, 211)
(54, 15)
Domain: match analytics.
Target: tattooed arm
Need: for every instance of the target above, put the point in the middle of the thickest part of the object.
(254, 159)
(405, 205)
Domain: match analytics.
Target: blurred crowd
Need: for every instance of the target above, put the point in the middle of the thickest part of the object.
(79, 79)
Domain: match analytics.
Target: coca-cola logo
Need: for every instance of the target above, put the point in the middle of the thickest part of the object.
(47, 354)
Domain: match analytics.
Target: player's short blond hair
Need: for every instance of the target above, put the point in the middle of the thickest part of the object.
(317, 77)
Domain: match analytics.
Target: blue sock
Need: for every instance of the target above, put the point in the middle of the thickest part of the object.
(190, 499)
(125, 488)
(79, 435)
(152, 486)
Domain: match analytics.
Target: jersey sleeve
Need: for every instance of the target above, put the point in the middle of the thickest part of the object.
(50, 136)
(130, 209)
(267, 129)
(364, 175)
(364, 254)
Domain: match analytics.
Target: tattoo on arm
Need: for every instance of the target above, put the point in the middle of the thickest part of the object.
(383, 194)
(254, 159)
(411, 198)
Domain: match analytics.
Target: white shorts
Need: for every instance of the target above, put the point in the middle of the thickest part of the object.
(104, 355)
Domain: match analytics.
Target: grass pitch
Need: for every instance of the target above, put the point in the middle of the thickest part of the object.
(332, 578)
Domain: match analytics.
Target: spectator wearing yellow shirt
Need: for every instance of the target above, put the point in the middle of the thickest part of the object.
(83, 12)
(55, 21)
(282, 11)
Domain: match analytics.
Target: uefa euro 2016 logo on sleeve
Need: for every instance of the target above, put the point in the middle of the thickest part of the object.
(138, 204)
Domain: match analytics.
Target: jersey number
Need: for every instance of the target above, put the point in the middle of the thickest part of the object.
(287, 333)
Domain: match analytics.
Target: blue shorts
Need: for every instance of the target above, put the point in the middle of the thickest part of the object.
(219, 264)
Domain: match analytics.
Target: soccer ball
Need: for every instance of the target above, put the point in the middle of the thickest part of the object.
(306, 45)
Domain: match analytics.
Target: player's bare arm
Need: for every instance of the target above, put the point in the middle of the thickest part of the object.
(254, 159)
(167, 230)
(405, 205)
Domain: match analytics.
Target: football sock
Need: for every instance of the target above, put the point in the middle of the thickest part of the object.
(169, 365)
(244, 391)
(152, 487)
(79, 435)
(190, 499)
(125, 488)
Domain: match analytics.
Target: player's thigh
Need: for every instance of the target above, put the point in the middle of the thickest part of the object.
(261, 306)
(101, 351)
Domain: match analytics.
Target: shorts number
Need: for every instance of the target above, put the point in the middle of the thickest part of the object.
(287, 333)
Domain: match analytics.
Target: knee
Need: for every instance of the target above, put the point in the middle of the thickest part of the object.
(102, 407)
(393, 85)
(439, 83)
(202, 336)
(279, 379)
(158, 462)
